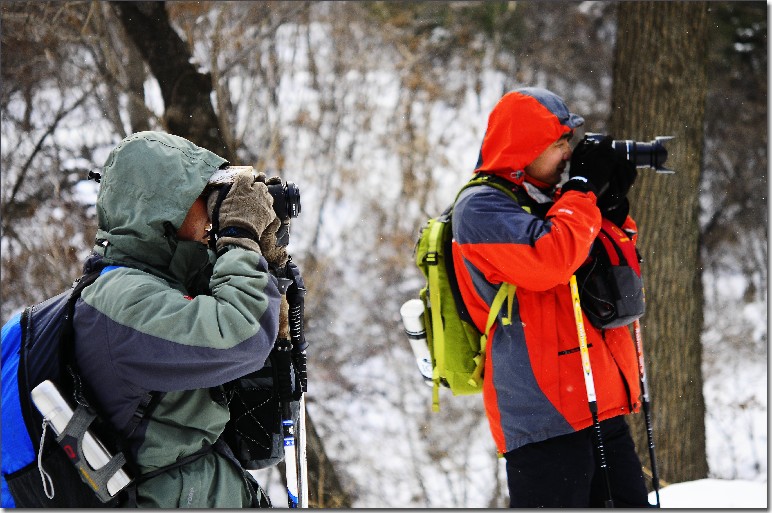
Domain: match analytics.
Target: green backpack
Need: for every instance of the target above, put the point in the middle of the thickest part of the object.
(456, 346)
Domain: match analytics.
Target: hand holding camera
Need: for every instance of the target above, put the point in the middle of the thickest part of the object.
(595, 162)
(252, 212)
(241, 212)
(606, 170)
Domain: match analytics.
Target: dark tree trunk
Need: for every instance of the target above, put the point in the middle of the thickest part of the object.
(186, 92)
(660, 86)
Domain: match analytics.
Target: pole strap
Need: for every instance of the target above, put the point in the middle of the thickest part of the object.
(582, 335)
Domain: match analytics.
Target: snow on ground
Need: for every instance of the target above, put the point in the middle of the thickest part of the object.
(713, 494)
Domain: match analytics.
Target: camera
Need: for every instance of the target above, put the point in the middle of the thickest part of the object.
(651, 154)
(286, 196)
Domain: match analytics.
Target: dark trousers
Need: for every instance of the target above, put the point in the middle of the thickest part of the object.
(565, 471)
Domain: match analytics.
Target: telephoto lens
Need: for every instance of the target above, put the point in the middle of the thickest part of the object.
(651, 154)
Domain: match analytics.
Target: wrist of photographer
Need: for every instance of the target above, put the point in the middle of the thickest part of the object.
(275, 255)
(613, 204)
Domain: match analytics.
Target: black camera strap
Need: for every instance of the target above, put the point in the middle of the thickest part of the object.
(214, 234)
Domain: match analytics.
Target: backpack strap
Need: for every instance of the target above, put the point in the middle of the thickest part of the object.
(435, 299)
(514, 191)
(506, 291)
(620, 249)
(67, 347)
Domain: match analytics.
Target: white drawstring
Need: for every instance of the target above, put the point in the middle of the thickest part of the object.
(47, 481)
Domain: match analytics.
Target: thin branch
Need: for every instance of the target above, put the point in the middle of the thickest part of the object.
(25, 168)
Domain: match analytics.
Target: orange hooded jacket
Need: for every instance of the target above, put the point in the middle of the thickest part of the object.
(534, 383)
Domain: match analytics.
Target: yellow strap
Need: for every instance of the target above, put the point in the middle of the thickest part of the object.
(438, 344)
(506, 292)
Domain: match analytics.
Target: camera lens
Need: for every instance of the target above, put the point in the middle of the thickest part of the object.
(286, 200)
(292, 195)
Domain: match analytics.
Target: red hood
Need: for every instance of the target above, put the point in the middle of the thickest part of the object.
(521, 126)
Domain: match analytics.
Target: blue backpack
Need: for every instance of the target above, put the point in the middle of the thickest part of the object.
(43, 470)
(40, 469)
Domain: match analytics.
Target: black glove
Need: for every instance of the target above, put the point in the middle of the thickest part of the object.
(622, 178)
(592, 164)
(618, 213)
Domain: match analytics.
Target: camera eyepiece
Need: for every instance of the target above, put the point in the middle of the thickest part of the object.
(651, 154)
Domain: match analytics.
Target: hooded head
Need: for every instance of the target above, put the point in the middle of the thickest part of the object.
(148, 184)
(520, 127)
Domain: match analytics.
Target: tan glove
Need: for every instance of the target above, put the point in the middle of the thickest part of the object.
(246, 211)
(275, 255)
(284, 331)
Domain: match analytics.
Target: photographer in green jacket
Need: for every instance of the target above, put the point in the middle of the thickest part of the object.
(170, 317)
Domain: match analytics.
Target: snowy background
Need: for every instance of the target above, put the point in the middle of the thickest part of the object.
(348, 140)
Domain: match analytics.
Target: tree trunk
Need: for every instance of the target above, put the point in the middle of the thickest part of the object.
(186, 92)
(659, 88)
(189, 113)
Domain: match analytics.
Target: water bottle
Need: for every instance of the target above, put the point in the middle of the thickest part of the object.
(55, 409)
(412, 313)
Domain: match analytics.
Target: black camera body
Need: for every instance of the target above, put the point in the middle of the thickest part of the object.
(286, 204)
(286, 196)
(651, 154)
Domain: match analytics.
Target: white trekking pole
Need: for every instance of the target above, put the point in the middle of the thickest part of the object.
(302, 460)
(286, 381)
(299, 362)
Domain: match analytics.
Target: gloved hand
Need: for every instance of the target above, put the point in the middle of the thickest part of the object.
(275, 255)
(592, 164)
(245, 214)
(618, 213)
(284, 329)
(622, 178)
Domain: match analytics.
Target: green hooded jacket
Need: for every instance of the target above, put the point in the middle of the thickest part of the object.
(166, 316)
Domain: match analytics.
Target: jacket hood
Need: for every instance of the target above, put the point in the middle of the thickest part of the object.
(521, 126)
(149, 182)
